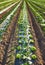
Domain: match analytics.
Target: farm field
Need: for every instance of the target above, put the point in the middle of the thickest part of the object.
(22, 32)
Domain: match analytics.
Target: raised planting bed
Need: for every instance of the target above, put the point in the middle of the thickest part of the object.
(24, 50)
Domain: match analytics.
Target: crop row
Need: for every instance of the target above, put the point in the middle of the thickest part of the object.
(6, 22)
(38, 17)
(10, 10)
(25, 50)
(6, 5)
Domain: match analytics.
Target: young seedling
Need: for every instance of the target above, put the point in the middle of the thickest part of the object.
(18, 56)
(34, 57)
(33, 48)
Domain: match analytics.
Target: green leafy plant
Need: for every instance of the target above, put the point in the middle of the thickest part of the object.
(24, 57)
(29, 32)
(26, 63)
(30, 36)
(33, 48)
(34, 57)
(31, 41)
(18, 56)
(20, 41)
(19, 47)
